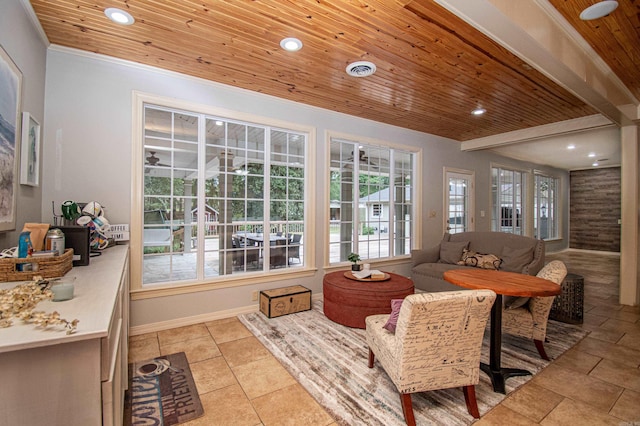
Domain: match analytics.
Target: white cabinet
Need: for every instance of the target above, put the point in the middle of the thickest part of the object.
(48, 377)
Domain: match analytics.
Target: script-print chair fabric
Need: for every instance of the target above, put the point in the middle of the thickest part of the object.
(530, 321)
(436, 344)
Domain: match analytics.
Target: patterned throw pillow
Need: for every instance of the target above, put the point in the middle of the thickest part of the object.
(396, 304)
(480, 260)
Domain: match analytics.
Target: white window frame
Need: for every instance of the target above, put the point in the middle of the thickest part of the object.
(139, 100)
(496, 221)
(416, 203)
(553, 210)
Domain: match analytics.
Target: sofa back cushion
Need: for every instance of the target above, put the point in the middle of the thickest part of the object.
(516, 251)
(451, 251)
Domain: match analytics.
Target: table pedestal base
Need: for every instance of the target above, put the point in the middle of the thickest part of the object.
(498, 377)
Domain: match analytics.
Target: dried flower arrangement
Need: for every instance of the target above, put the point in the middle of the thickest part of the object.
(20, 302)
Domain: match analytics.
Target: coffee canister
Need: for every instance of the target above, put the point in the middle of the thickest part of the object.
(55, 241)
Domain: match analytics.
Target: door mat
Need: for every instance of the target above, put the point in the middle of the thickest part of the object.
(161, 392)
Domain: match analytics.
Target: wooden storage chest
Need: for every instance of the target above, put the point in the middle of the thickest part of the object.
(285, 300)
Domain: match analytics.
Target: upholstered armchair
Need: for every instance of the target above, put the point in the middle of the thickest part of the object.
(436, 344)
(530, 320)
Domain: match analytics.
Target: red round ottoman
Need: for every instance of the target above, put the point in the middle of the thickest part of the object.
(349, 302)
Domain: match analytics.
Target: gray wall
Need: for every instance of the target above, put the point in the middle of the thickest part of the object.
(86, 151)
(88, 157)
(21, 41)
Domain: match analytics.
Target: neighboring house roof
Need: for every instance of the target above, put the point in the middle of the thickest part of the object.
(382, 196)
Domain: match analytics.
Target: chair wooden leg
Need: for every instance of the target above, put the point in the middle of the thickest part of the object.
(407, 409)
(372, 358)
(541, 350)
(470, 399)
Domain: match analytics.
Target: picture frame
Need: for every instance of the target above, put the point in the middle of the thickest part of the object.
(10, 128)
(30, 151)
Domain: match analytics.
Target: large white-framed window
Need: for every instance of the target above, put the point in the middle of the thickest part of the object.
(546, 208)
(219, 195)
(507, 197)
(371, 193)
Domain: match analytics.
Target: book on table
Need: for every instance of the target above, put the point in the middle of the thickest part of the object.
(368, 273)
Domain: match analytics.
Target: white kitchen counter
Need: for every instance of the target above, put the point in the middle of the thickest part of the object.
(50, 377)
(96, 288)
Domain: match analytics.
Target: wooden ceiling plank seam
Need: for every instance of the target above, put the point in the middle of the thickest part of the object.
(375, 30)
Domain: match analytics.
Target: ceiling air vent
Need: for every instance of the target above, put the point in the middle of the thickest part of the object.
(361, 69)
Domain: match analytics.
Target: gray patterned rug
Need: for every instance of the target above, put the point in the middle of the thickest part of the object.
(330, 361)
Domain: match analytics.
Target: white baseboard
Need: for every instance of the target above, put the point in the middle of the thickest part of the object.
(197, 319)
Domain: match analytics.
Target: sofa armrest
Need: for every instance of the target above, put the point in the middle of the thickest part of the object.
(428, 255)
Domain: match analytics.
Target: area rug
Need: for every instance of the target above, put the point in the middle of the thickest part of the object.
(161, 392)
(330, 361)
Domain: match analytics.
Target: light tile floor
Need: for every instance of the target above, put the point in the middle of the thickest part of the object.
(596, 382)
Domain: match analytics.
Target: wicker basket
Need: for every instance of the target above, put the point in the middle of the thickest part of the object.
(46, 267)
(569, 305)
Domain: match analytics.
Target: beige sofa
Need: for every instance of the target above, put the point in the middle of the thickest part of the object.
(515, 253)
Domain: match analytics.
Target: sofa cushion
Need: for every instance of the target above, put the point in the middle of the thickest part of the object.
(396, 304)
(515, 259)
(480, 260)
(451, 252)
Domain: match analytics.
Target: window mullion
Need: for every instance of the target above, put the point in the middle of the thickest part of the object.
(356, 198)
(200, 200)
(266, 222)
(392, 203)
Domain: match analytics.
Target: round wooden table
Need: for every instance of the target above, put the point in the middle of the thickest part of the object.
(349, 302)
(503, 283)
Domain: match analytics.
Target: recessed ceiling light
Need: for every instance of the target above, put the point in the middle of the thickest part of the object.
(219, 123)
(119, 16)
(478, 111)
(592, 154)
(572, 146)
(599, 10)
(595, 164)
(361, 69)
(291, 44)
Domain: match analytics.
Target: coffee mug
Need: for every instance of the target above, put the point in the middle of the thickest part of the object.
(98, 241)
(83, 220)
(102, 224)
(93, 209)
(70, 210)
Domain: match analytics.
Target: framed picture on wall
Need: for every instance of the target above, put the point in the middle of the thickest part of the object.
(30, 154)
(10, 98)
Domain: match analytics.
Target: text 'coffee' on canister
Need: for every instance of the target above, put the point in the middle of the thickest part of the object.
(55, 241)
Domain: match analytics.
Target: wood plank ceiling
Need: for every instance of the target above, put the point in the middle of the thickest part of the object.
(432, 68)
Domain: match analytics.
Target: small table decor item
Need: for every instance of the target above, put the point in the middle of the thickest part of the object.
(367, 275)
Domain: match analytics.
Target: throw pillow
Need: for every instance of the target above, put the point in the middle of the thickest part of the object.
(480, 260)
(451, 252)
(514, 302)
(514, 260)
(396, 304)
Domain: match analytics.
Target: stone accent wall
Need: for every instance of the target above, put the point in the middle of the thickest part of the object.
(595, 202)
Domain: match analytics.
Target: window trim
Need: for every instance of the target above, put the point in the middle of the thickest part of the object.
(527, 197)
(416, 231)
(139, 99)
(559, 197)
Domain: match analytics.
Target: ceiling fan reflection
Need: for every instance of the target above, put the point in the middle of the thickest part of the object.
(152, 160)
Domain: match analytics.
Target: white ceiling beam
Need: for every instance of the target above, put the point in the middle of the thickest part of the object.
(548, 130)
